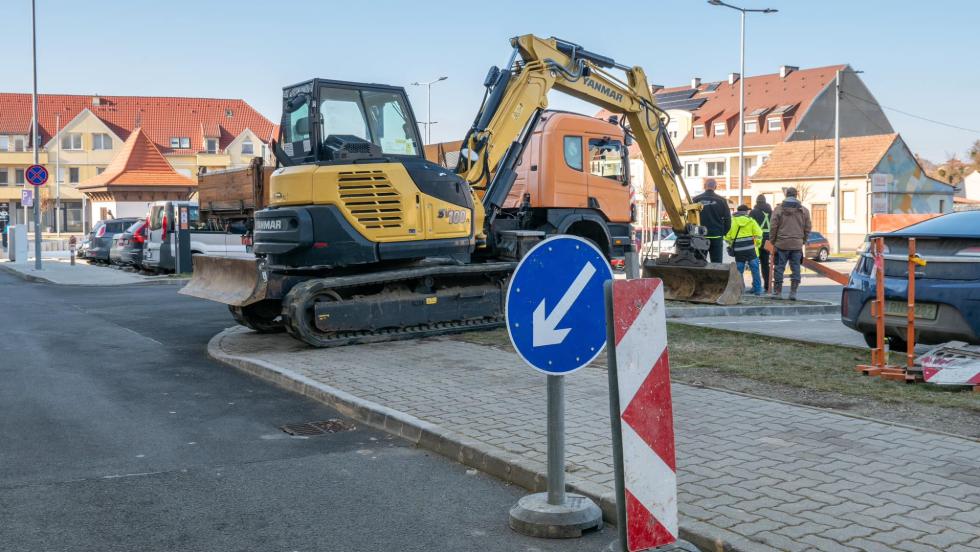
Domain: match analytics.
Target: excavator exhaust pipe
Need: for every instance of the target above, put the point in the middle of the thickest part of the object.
(714, 283)
(233, 281)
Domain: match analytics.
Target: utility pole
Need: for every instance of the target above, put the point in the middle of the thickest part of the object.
(57, 175)
(428, 108)
(741, 89)
(838, 200)
(37, 190)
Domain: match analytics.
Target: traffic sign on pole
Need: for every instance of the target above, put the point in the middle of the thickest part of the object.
(27, 197)
(641, 413)
(36, 175)
(555, 319)
(555, 312)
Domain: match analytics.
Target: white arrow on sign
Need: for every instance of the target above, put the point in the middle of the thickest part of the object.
(544, 328)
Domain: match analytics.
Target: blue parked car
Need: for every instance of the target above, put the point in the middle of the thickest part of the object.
(947, 288)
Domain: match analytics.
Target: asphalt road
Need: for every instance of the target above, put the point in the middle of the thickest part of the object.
(117, 433)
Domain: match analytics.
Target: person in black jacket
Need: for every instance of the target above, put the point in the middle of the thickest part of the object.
(716, 217)
(762, 213)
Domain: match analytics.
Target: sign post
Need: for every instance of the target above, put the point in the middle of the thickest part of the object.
(36, 176)
(556, 324)
(641, 414)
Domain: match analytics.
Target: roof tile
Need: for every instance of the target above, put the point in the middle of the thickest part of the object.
(815, 158)
(138, 163)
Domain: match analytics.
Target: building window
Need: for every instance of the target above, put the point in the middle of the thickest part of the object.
(18, 176)
(99, 170)
(606, 159)
(715, 168)
(699, 131)
(71, 141)
(180, 142)
(101, 141)
(691, 169)
(849, 207)
(720, 129)
(73, 175)
(247, 147)
(4, 142)
(185, 142)
(775, 124)
(749, 165)
(751, 127)
(174, 142)
(764, 159)
(573, 152)
(18, 144)
(212, 145)
(3, 176)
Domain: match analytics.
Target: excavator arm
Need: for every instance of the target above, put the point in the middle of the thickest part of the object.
(515, 97)
(517, 93)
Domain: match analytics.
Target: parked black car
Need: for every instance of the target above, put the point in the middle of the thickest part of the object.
(101, 237)
(127, 248)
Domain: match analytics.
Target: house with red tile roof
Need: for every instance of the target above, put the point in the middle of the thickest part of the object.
(878, 175)
(80, 135)
(138, 175)
(789, 105)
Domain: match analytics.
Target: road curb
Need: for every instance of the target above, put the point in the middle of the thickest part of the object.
(41, 280)
(497, 462)
(752, 310)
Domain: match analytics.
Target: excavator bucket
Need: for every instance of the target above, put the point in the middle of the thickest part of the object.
(714, 283)
(232, 281)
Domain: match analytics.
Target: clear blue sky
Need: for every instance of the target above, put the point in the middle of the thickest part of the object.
(918, 57)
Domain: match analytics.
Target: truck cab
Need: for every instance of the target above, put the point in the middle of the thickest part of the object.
(575, 171)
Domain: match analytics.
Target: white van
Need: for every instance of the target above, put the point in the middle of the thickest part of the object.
(160, 249)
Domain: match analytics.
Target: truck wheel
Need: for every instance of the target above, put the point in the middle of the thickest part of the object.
(298, 311)
(263, 317)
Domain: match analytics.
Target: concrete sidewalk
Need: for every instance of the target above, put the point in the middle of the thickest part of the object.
(825, 328)
(60, 271)
(754, 474)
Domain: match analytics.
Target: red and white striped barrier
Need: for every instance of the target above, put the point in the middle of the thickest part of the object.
(953, 363)
(646, 413)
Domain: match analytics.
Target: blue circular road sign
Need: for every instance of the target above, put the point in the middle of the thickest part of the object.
(556, 314)
(36, 175)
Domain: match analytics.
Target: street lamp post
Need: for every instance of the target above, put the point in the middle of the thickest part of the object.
(741, 89)
(37, 189)
(428, 108)
(838, 200)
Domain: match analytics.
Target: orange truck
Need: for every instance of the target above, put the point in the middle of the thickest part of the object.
(572, 178)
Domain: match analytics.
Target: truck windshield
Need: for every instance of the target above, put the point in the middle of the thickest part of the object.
(374, 115)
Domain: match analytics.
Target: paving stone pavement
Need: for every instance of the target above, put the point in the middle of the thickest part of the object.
(769, 475)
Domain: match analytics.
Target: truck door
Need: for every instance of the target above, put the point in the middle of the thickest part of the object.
(608, 188)
(566, 182)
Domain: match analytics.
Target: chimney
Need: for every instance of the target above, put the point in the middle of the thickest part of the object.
(654, 88)
(733, 78)
(695, 82)
(785, 70)
(96, 101)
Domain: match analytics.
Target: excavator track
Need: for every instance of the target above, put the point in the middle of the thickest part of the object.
(436, 300)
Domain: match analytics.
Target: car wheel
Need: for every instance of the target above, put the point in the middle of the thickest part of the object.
(898, 345)
(823, 255)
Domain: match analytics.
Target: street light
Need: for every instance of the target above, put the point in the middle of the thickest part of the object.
(741, 90)
(838, 200)
(428, 109)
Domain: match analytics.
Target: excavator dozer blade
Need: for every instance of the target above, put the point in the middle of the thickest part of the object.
(229, 280)
(714, 283)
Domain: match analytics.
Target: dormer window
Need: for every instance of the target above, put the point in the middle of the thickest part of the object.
(775, 124)
(699, 131)
(721, 129)
(212, 145)
(751, 127)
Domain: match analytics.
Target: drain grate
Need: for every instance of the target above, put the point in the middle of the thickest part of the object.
(312, 429)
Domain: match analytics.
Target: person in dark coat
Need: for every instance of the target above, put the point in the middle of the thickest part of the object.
(716, 217)
(762, 213)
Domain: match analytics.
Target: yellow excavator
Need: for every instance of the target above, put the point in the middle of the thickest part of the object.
(364, 240)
